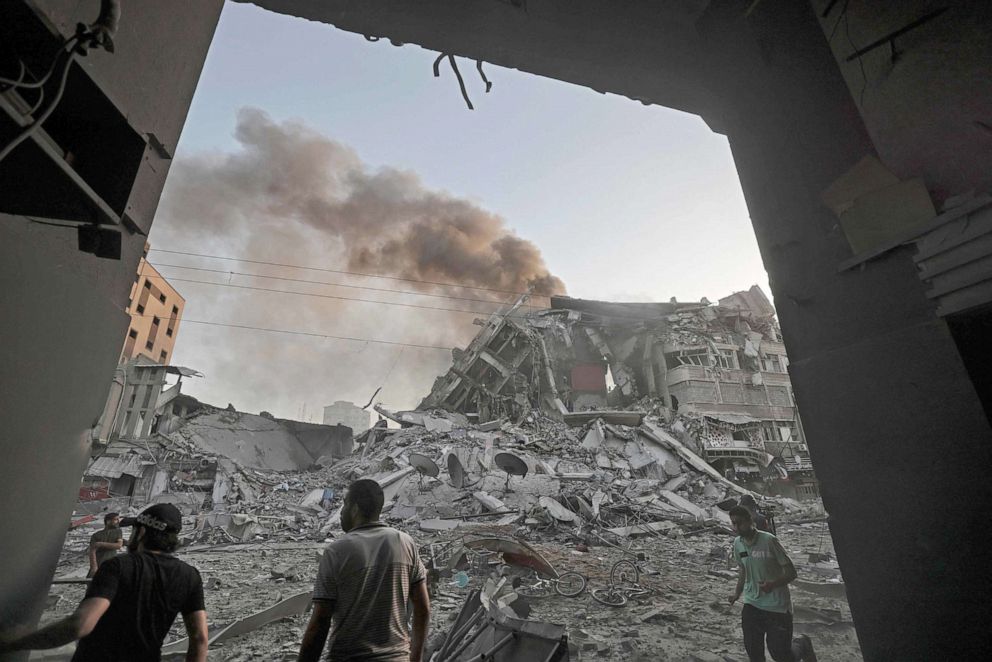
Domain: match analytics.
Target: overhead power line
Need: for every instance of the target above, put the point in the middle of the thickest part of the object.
(339, 271)
(330, 296)
(316, 335)
(183, 320)
(323, 282)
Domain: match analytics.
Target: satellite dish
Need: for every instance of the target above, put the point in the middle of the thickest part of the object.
(424, 466)
(512, 465)
(456, 471)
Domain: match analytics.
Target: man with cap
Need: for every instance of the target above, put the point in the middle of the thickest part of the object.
(133, 600)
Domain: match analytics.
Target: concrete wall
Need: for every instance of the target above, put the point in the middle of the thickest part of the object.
(895, 428)
(54, 389)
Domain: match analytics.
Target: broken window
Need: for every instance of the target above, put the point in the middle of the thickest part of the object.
(788, 431)
(728, 359)
(771, 363)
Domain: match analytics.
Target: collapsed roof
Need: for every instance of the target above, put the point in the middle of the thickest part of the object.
(560, 359)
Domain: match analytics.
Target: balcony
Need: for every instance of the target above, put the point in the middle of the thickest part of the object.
(685, 373)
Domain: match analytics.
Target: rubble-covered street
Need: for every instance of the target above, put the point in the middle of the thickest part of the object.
(581, 508)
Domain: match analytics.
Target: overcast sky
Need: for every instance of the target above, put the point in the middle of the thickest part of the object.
(624, 201)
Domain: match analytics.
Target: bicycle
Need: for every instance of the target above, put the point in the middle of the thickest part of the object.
(624, 584)
(567, 584)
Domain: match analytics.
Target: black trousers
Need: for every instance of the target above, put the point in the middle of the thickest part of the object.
(759, 624)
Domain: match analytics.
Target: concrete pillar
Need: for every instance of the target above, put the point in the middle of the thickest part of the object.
(895, 429)
(64, 320)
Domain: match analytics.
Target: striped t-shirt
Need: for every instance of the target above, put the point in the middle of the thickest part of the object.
(367, 574)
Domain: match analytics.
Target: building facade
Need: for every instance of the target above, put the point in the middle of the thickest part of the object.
(347, 413)
(156, 309)
(719, 370)
(732, 377)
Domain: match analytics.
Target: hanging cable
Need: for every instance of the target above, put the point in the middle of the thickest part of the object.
(98, 34)
(458, 75)
(322, 282)
(489, 85)
(36, 124)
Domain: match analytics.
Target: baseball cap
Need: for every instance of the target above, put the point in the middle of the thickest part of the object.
(161, 516)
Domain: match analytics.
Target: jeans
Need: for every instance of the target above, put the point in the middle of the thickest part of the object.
(757, 624)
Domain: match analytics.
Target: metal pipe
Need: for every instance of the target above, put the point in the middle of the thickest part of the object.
(500, 645)
(458, 634)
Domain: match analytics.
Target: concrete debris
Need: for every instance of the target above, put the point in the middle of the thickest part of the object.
(505, 482)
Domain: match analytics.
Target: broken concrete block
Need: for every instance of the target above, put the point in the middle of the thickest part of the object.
(705, 656)
(285, 571)
(436, 524)
(594, 437)
(676, 483)
(558, 511)
(489, 501)
(642, 529)
(683, 504)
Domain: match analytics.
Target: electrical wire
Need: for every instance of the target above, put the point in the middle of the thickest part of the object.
(19, 83)
(323, 282)
(346, 273)
(332, 296)
(326, 336)
(34, 126)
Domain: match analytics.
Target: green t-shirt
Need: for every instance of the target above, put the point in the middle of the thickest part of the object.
(106, 535)
(763, 561)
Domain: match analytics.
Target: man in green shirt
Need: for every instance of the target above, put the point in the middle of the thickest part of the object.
(765, 572)
(105, 542)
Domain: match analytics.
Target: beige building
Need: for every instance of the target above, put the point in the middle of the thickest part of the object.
(155, 309)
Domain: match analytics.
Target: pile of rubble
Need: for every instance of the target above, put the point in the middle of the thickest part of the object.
(518, 470)
(581, 498)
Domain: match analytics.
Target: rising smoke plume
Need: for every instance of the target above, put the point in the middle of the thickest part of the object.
(385, 221)
(291, 195)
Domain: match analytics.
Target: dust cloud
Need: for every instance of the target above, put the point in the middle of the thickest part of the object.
(293, 196)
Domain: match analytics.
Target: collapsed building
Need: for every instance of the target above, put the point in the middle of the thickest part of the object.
(720, 369)
(154, 444)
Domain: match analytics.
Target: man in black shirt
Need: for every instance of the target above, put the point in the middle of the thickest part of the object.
(133, 600)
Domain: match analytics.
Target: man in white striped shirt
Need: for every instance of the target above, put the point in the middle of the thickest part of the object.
(363, 584)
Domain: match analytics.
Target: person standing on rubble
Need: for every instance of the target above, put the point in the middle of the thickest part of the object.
(132, 601)
(105, 542)
(764, 574)
(363, 584)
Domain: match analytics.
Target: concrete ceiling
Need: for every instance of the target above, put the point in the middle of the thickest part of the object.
(645, 50)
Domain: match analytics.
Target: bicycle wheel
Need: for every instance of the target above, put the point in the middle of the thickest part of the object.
(609, 596)
(624, 574)
(536, 590)
(570, 584)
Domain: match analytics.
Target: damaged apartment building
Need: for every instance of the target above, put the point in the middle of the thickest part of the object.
(154, 444)
(718, 372)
